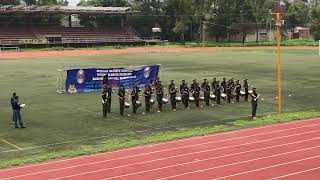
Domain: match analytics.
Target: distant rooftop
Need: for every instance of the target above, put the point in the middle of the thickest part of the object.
(10, 9)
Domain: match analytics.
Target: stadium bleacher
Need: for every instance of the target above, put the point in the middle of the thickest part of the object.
(16, 35)
(11, 35)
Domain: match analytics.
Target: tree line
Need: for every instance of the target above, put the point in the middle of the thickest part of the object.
(184, 20)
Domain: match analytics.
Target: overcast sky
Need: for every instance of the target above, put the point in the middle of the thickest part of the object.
(73, 2)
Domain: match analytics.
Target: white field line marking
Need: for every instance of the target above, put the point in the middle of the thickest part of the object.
(292, 174)
(193, 145)
(241, 162)
(199, 160)
(268, 167)
(133, 132)
(10, 144)
(141, 147)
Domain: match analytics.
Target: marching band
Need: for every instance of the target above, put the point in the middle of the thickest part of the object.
(226, 90)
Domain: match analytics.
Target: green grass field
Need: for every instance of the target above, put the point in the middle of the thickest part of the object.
(53, 118)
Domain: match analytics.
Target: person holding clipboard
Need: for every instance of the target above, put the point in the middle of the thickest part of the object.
(17, 106)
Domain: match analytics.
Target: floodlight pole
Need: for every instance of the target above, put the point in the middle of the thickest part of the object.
(279, 62)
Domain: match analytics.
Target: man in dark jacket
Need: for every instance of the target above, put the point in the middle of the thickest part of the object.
(12, 100)
(16, 112)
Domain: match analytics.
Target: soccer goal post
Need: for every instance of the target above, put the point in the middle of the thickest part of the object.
(61, 81)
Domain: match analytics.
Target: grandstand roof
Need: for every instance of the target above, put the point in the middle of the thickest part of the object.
(10, 9)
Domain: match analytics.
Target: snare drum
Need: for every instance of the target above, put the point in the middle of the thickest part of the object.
(223, 95)
(212, 96)
(152, 101)
(250, 91)
(178, 99)
(201, 98)
(165, 100)
(138, 103)
(191, 99)
(126, 105)
(242, 93)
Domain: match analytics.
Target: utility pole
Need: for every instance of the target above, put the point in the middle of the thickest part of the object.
(278, 23)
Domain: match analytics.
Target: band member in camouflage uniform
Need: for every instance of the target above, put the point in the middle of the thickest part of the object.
(159, 92)
(203, 84)
(147, 97)
(238, 89)
(254, 103)
(109, 97)
(229, 89)
(104, 96)
(173, 94)
(192, 86)
(246, 89)
(134, 98)
(184, 90)
(206, 93)
(196, 93)
(218, 92)
(224, 85)
(156, 82)
(121, 94)
(214, 84)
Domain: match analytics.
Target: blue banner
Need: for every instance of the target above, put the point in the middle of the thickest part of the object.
(91, 80)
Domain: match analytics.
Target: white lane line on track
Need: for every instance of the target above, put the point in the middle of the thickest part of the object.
(171, 142)
(268, 167)
(198, 160)
(193, 145)
(292, 174)
(241, 162)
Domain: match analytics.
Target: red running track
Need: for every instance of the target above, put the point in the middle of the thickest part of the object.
(283, 151)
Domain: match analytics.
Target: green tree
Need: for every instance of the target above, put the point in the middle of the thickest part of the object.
(297, 14)
(9, 2)
(315, 14)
